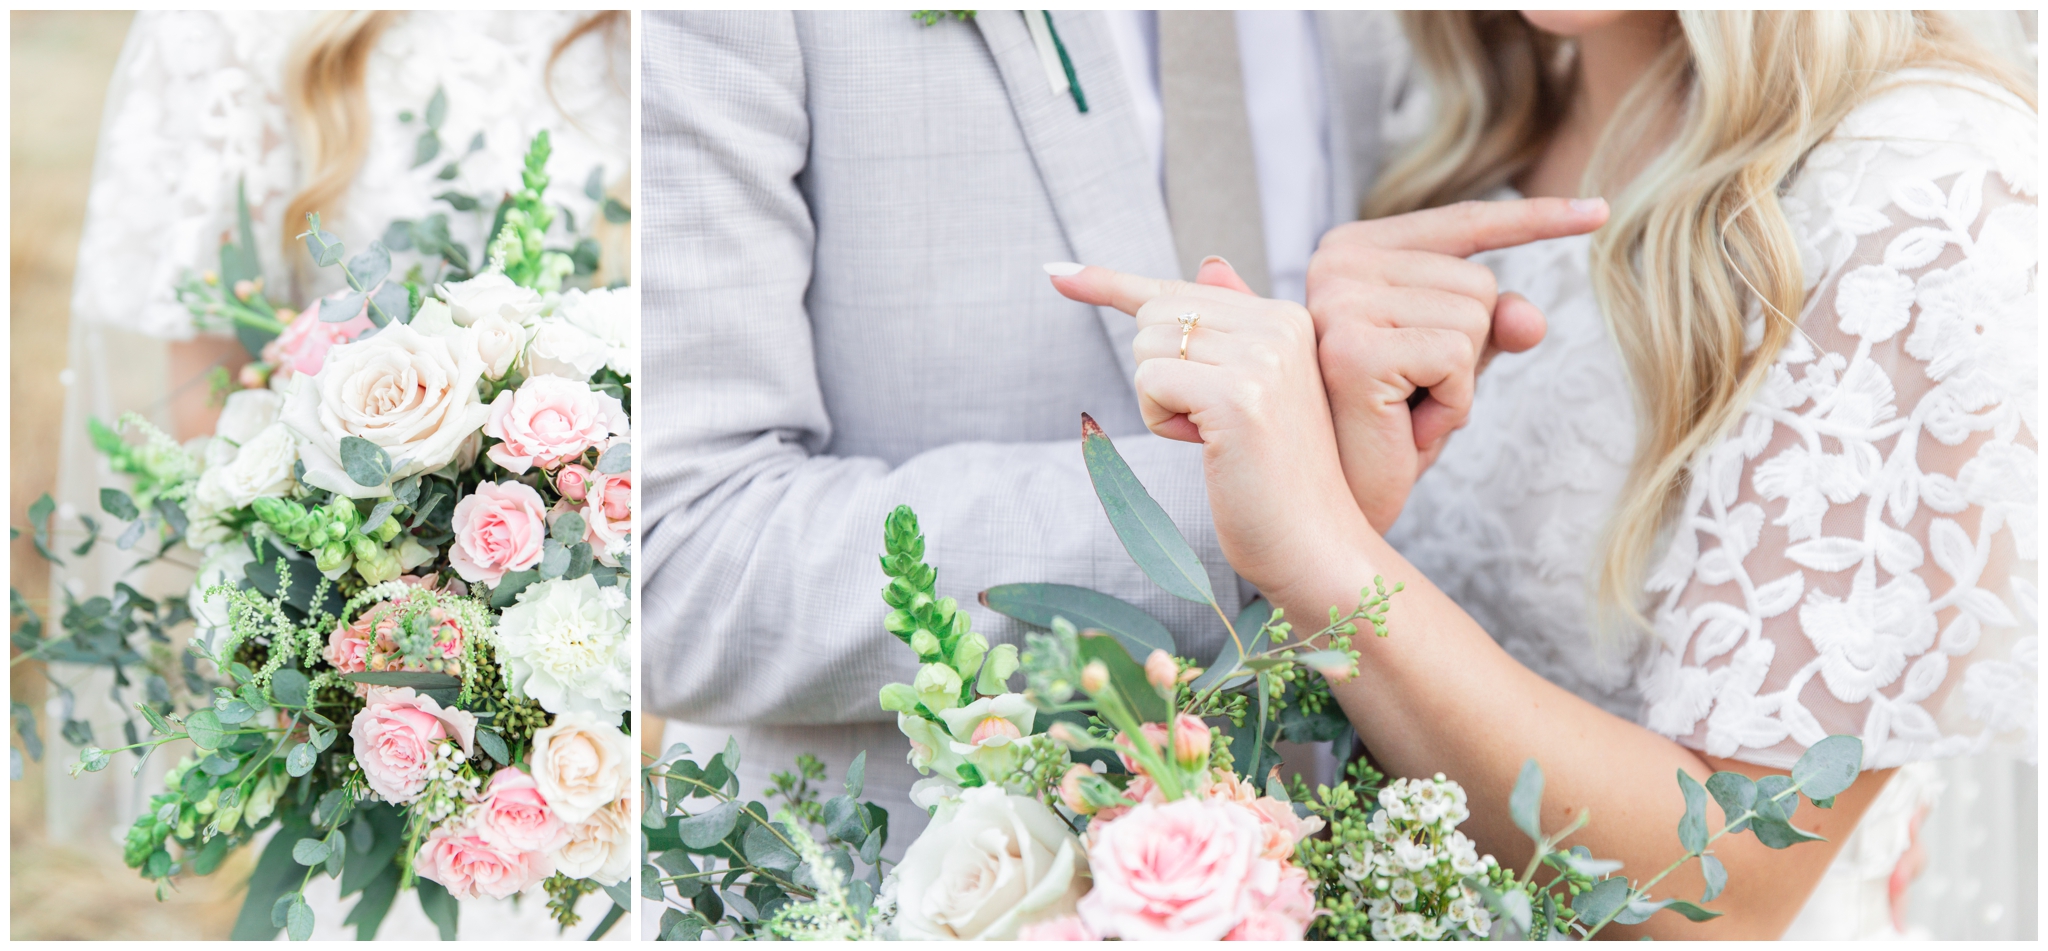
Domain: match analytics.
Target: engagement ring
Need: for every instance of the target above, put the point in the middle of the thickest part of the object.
(1187, 328)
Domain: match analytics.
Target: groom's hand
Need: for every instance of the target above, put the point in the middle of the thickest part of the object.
(1404, 325)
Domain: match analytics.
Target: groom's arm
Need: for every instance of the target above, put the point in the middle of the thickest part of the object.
(761, 593)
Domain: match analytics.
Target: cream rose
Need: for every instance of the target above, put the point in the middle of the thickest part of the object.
(414, 395)
(582, 764)
(602, 847)
(490, 293)
(261, 469)
(989, 864)
(566, 645)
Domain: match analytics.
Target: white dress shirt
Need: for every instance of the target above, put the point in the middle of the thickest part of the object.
(1289, 115)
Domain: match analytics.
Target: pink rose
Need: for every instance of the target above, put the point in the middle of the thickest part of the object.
(1283, 828)
(349, 647)
(1177, 871)
(550, 420)
(1281, 913)
(498, 529)
(1070, 928)
(516, 816)
(398, 738)
(303, 345)
(573, 482)
(470, 865)
(609, 515)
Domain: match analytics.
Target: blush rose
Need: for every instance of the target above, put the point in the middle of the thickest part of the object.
(498, 529)
(470, 865)
(397, 738)
(550, 420)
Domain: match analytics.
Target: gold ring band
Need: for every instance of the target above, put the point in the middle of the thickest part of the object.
(1187, 329)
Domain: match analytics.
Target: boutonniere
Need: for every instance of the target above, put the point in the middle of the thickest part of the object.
(1052, 54)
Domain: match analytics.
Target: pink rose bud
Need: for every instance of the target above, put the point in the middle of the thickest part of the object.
(1189, 675)
(1094, 677)
(243, 289)
(1063, 735)
(1159, 669)
(255, 375)
(993, 727)
(573, 482)
(1070, 790)
(1190, 741)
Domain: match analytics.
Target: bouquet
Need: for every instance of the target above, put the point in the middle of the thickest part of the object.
(411, 664)
(1141, 800)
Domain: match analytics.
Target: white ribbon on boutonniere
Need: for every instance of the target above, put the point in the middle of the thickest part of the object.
(1052, 55)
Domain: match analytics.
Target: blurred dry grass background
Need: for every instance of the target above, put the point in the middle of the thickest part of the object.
(60, 65)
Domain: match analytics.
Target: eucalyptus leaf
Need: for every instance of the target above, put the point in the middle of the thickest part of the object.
(708, 828)
(457, 200)
(425, 148)
(377, 516)
(1692, 827)
(1595, 904)
(1691, 911)
(437, 108)
(856, 774)
(203, 726)
(300, 761)
(309, 852)
(367, 463)
(1828, 767)
(616, 212)
(288, 687)
(568, 528)
(1251, 635)
(369, 267)
(398, 235)
(1716, 875)
(1736, 794)
(1147, 533)
(391, 304)
(343, 308)
(593, 186)
(298, 920)
(1525, 804)
(765, 849)
(1126, 675)
(1639, 911)
(233, 712)
(494, 746)
(616, 459)
(554, 559)
(1038, 604)
(117, 503)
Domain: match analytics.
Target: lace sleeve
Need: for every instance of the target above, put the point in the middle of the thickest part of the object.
(1859, 555)
(194, 105)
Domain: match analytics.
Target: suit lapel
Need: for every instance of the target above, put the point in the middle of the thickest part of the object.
(1104, 189)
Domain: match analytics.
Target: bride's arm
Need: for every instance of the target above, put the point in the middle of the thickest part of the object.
(1439, 695)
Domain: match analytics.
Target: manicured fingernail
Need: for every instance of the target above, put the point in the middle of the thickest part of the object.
(1588, 205)
(1214, 259)
(1064, 268)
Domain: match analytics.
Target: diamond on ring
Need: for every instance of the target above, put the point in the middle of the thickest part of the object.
(1187, 329)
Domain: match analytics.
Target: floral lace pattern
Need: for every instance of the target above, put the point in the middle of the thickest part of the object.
(1858, 556)
(197, 103)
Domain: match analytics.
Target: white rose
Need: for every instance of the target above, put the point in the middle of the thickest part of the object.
(602, 847)
(562, 349)
(489, 293)
(262, 469)
(986, 866)
(582, 764)
(247, 413)
(612, 315)
(565, 645)
(498, 343)
(413, 395)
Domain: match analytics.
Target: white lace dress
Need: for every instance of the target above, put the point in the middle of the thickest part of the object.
(197, 103)
(1858, 555)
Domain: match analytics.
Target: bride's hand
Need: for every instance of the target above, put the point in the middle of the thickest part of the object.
(1250, 392)
(1398, 310)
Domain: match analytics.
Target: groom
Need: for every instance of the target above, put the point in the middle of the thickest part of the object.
(846, 218)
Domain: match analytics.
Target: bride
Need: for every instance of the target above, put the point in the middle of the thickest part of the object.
(1769, 477)
(303, 112)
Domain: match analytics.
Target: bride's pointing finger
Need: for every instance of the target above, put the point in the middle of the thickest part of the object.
(1126, 292)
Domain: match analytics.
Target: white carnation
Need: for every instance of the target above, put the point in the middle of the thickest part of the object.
(564, 645)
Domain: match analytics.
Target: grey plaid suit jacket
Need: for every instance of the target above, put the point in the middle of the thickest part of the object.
(843, 219)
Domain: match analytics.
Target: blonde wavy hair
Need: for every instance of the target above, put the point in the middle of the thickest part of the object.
(1696, 238)
(330, 112)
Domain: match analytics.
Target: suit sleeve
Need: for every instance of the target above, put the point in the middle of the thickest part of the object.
(761, 590)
